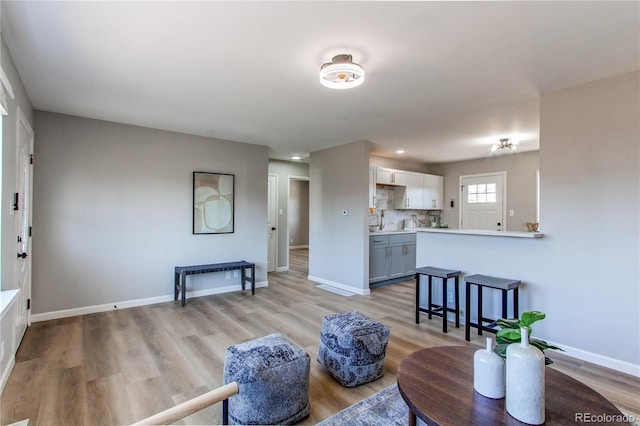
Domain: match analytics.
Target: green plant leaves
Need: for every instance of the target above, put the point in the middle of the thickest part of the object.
(510, 333)
(501, 349)
(509, 323)
(530, 317)
(542, 345)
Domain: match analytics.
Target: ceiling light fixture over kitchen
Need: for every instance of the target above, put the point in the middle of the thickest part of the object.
(341, 73)
(504, 145)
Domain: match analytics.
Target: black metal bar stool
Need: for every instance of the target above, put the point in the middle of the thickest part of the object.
(482, 281)
(432, 308)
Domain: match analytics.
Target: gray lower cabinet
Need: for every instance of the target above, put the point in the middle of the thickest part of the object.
(378, 248)
(391, 256)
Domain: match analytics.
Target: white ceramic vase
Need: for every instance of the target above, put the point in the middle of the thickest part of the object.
(488, 372)
(525, 381)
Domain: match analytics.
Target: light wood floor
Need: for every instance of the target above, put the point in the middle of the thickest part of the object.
(120, 366)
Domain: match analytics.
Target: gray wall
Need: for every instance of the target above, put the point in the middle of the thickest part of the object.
(521, 185)
(113, 211)
(590, 210)
(338, 245)
(399, 163)
(285, 169)
(9, 126)
(298, 212)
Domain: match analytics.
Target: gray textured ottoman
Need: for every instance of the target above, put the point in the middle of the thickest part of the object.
(352, 348)
(273, 380)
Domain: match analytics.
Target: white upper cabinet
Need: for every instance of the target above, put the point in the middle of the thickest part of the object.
(385, 176)
(400, 177)
(416, 191)
(433, 192)
(422, 192)
(411, 195)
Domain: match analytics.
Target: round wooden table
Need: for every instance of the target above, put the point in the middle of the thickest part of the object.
(437, 385)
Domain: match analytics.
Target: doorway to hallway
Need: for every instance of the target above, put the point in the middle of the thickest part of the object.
(299, 262)
(298, 221)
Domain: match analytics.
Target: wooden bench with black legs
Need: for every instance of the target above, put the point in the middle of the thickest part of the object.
(181, 273)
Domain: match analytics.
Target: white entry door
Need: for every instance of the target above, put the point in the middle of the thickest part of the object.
(482, 203)
(272, 220)
(23, 214)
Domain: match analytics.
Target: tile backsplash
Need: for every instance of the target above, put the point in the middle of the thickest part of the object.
(394, 219)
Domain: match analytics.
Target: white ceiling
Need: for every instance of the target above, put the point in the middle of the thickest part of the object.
(444, 80)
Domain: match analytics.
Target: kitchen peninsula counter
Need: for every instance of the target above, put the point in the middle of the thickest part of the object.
(511, 234)
(510, 255)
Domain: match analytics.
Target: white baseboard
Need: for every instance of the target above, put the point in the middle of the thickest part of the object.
(298, 247)
(7, 372)
(282, 269)
(133, 303)
(594, 358)
(360, 291)
(601, 360)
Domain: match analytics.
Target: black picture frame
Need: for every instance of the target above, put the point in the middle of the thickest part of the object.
(213, 203)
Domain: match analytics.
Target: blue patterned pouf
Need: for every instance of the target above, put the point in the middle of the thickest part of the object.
(273, 380)
(352, 348)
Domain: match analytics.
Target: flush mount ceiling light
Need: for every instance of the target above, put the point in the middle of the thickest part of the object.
(341, 73)
(504, 145)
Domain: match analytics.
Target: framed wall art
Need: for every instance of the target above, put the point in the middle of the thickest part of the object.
(213, 201)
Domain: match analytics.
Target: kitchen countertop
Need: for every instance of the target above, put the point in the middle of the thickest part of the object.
(399, 231)
(512, 234)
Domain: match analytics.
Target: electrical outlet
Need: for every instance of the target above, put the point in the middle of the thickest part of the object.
(449, 297)
(511, 212)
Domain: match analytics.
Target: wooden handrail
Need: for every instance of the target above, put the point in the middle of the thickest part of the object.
(186, 408)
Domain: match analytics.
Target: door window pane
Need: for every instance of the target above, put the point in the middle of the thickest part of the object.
(482, 193)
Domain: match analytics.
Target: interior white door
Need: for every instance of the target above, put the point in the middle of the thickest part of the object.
(482, 202)
(272, 220)
(23, 214)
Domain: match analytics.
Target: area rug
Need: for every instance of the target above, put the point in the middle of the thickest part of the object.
(335, 290)
(385, 408)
